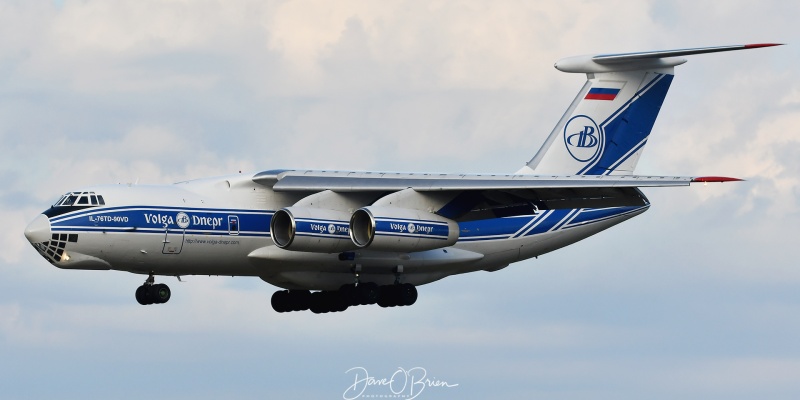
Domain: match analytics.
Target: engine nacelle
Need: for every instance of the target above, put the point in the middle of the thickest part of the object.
(311, 229)
(401, 229)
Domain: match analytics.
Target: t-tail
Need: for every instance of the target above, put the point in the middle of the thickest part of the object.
(605, 129)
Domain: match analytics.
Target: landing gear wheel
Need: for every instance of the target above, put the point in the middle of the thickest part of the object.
(349, 294)
(319, 304)
(368, 293)
(389, 296)
(280, 301)
(339, 302)
(141, 295)
(300, 300)
(160, 293)
(407, 294)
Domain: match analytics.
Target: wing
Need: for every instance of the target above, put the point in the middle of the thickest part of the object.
(475, 196)
(347, 181)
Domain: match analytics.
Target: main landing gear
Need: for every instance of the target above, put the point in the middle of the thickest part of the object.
(401, 294)
(354, 294)
(152, 293)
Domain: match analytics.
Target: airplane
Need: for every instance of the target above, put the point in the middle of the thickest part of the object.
(336, 239)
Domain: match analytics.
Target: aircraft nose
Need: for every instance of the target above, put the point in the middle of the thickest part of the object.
(38, 231)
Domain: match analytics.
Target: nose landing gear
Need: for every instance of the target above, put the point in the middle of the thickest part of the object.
(152, 293)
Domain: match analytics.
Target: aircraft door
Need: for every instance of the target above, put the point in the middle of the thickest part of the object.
(233, 225)
(173, 240)
(173, 236)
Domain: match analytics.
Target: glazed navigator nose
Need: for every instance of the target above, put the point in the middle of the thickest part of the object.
(38, 231)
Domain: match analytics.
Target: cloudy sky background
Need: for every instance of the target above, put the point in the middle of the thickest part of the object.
(699, 297)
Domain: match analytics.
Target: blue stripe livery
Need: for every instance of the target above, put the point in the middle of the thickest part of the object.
(528, 225)
(159, 219)
(322, 228)
(409, 228)
(627, 129)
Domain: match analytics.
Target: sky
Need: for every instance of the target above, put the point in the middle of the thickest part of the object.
(697, 298)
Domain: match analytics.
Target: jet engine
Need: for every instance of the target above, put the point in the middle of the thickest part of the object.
(311, 229)
(401, 229)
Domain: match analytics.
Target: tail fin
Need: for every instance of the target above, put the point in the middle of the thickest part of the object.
(605, 129)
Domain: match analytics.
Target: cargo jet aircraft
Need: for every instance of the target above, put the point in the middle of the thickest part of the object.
(335, 239)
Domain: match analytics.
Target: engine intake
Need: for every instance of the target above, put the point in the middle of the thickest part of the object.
(311, 229)
(401, 229)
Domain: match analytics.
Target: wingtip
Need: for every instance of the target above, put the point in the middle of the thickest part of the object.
(759, 45)
(707, 179)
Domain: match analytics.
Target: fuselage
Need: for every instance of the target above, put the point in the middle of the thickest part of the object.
(221, 226)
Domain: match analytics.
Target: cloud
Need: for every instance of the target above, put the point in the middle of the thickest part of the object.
(95, 92)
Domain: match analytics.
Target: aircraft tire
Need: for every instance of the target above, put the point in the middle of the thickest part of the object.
(160, 293)
(407, 294)
(368, 293)
(300, 300)
(280, 301)
(388, 296)
(141, 295)
(350, 294)
(338, 303)
(319, 304)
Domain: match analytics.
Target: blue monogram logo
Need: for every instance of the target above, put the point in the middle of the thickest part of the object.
(583, 138)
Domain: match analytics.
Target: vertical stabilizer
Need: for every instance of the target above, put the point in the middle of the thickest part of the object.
(605, 129)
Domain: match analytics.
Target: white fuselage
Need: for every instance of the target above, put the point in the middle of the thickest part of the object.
(221, 226)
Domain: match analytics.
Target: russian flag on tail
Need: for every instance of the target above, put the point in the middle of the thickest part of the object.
(597, 93)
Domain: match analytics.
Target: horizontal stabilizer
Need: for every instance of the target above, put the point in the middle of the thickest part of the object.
(593, 63)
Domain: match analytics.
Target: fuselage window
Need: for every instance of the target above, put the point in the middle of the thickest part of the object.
(100, 200)
(233, 224)
(84, 200)
(94, 200)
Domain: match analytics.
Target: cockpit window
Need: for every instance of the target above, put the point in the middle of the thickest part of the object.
(68, 199)
(82, 199)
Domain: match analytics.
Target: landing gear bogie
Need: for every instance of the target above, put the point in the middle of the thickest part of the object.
(152, 293)
(326, 301)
